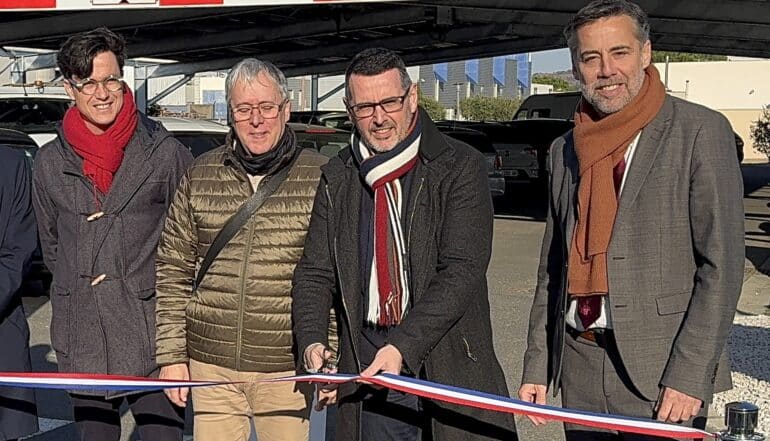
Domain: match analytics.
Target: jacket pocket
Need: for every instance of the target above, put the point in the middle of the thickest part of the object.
(673, 304)
(62, 317)
(146, 299)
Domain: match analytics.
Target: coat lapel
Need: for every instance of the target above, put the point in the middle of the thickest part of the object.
(133, 172)
(346, 195)
(569, 190)
(647, 149)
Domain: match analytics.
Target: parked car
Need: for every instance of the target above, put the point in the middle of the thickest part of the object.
(201, 136)
(519, 159)
(562, 106)
(482, 143)
(538, 135)
(19, 140)
(329, 118)
(35, 114)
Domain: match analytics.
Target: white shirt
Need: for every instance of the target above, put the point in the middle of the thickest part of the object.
(605, 319)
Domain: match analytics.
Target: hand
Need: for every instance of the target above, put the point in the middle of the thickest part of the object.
(326, 393)
(674, 406)
(388, 360)
(534, 393)
(179, 371)
(317, 357)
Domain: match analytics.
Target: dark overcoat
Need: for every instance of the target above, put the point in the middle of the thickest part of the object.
(446, 337)
(18, 239)
(103, 290)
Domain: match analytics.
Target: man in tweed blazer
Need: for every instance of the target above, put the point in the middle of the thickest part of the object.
(642, 259)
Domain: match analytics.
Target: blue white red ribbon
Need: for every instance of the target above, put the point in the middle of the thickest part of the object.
(94, 382)
(421, 388)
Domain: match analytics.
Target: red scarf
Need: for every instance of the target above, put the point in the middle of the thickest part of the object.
(102, 154)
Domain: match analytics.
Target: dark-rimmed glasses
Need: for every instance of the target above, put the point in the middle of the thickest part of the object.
(389, 105)
(266, 109)
(88, 86)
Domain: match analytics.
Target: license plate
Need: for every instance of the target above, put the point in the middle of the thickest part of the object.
(510, 173)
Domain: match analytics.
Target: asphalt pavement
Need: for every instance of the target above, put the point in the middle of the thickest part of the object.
(519, 225)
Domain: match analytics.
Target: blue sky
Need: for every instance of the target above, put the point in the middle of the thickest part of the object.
(551, 61)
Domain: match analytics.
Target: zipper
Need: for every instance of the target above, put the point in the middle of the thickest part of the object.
(342, 294)
(244, 264)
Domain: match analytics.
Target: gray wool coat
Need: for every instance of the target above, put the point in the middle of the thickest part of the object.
(108, 327)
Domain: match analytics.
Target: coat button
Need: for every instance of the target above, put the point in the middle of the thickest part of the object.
(98, 279)
(95, 216)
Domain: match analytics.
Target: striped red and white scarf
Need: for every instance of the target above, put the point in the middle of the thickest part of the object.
(388, 294)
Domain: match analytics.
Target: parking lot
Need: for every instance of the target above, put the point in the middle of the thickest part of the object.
(512, 276)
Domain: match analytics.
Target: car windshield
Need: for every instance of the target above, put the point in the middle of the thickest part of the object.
(32, 115)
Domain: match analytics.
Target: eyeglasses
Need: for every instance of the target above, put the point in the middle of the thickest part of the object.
(88, 86)
(266, 110)
(389, 105)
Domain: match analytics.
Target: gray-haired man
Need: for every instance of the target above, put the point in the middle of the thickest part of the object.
(235, 324)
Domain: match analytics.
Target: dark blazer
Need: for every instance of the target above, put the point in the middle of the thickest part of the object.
(109, 327)
(18, 239)
(675, 261)
(446, 336)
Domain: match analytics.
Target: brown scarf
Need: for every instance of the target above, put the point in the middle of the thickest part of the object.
(600, 144)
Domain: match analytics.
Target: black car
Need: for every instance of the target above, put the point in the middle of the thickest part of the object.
(19, 140)
(482, 143)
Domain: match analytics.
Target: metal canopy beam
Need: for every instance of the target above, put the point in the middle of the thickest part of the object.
(344, 50)
(65, 24)
(240, 37)
(320, 38)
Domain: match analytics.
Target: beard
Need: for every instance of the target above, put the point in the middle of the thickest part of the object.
(609, 106)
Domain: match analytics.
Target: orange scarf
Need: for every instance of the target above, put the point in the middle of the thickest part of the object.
(600, 144)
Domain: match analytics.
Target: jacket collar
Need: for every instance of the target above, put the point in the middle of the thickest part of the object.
(432, 146)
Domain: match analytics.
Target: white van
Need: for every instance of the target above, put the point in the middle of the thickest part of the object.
(36, 114)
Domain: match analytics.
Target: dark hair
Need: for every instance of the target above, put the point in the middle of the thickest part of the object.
(76, 55)
(374, 61)
(599, 9)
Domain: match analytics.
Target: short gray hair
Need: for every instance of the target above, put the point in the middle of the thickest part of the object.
(248, 70)
(374, 61)
(599, 9)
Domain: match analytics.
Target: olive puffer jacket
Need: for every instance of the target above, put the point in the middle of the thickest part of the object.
(240, 315)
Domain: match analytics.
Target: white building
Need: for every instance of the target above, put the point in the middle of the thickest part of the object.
(738, 88)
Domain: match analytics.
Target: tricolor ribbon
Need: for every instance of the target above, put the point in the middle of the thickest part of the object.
(94, 382)
(421, 388)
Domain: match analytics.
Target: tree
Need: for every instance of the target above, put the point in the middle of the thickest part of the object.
(760, 132)
(675, 57)
(559, 84)
(484, 108)
(433, 107)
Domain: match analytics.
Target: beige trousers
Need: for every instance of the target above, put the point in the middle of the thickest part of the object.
(280, 411)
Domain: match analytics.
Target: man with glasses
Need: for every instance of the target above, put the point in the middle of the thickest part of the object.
(101, 191)
(399, 243)
(232, 238)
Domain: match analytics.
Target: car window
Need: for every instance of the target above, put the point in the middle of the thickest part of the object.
(328, 143)
(200, 143)
(32, 115)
